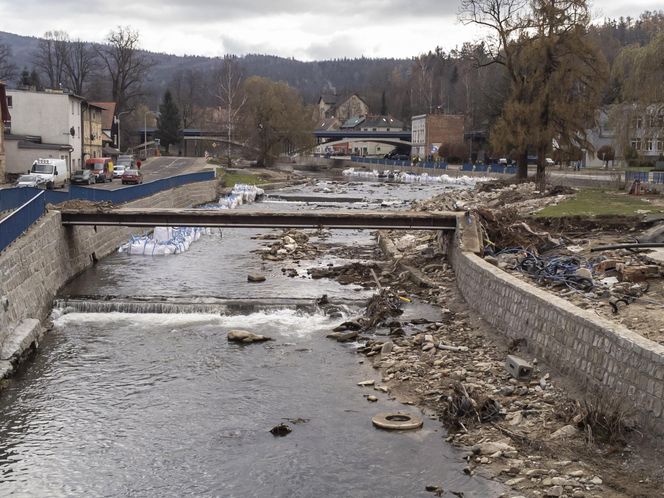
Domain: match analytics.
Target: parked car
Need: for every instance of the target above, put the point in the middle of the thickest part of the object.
(132, 176)
(29, 181)
(83, 177)
(119, 169)
(395, 156)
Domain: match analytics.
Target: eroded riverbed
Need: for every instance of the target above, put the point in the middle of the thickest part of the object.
(118, 404)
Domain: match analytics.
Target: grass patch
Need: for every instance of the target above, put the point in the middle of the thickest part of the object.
(231, 178)
(597, 202)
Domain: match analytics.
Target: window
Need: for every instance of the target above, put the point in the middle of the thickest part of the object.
(660, 145)
(649, 145)
(636, 143)
(637, 122)
(10, 101)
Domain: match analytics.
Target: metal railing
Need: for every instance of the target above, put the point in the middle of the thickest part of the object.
(22, 218)
(28, 204)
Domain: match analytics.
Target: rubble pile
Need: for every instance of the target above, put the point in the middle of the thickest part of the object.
(525, 430)
(523, 198)
(291, 244)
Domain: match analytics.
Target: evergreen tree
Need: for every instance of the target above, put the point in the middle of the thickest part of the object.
(168, 124)
(383, 105)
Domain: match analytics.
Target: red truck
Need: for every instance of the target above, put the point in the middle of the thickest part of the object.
(101, 167)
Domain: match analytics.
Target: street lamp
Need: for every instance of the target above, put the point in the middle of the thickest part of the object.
(118, 121)
(145, 132)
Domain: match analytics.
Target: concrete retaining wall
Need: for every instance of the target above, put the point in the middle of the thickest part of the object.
(40, 262)
(602, 357)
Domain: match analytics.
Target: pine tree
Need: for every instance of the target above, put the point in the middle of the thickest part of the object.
(168, 124)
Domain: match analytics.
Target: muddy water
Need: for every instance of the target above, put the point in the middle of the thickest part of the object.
(119, 404)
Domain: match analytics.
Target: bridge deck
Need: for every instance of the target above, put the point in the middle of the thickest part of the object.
(406, 220)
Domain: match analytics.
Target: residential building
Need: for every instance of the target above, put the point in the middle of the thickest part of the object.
(110, 124)
(601, 136)
(432, 133)
(92, 131)
(342, 108)
(54, 118)
(5, 119)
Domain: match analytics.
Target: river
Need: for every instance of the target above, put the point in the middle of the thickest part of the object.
(120, 403)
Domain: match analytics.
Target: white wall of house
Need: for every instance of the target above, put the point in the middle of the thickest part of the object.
(50, 116)
(19, 160)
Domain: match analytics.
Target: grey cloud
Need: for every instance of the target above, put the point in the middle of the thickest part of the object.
(211, 11)
(339, 46)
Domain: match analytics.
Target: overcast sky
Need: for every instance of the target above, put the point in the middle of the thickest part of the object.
(303, 29)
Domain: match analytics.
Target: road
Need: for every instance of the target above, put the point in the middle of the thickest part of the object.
(161, 167)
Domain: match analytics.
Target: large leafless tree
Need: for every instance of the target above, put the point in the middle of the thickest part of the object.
(127, 65)
(8, 69)
(80, 65)
(230, 95)
(187, 89)
(50, 56)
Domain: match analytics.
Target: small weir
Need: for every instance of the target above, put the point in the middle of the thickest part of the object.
(202, 305)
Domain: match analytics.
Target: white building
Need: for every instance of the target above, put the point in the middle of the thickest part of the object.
(53, 116)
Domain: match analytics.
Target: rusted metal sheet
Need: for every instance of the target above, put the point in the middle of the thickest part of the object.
(336, 219)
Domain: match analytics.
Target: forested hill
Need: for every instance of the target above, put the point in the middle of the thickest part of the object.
(310, 78)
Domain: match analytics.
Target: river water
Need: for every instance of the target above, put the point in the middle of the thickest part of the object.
(160, 404)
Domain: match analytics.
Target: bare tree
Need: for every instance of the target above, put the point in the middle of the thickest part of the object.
(7, 68)
(126, 65)
(230, 95)
(187, 90)
(80, 65)
(50, 56)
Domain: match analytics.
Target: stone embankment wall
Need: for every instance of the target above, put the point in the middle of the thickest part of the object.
(40, 262)
(605, 358)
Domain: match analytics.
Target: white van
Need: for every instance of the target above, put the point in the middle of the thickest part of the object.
(51, 172)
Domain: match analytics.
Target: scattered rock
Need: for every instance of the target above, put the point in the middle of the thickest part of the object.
(343, 336)
(256, 277)
(281, 430)
(246, 337)
(564, 432)
(491, 447)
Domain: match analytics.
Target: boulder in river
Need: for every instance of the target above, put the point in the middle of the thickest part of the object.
(246, 337)
(343, 336)
(256, 277)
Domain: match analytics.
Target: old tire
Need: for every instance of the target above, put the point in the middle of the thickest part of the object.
(397, 421)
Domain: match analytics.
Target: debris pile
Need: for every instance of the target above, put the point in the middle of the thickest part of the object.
(290, 244)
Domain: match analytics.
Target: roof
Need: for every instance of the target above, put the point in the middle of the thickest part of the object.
(382, 122)
(107, 113)
(352, 122)
(47, 91)
(328, 124)
(329, 99)
(27, 144)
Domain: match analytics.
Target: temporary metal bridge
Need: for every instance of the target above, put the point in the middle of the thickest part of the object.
(337, 219)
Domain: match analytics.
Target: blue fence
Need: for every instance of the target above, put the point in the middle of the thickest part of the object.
(28, 204)
(401, 164)
(22, 218)
(631, 176)
(657, 177)
(12, 198)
